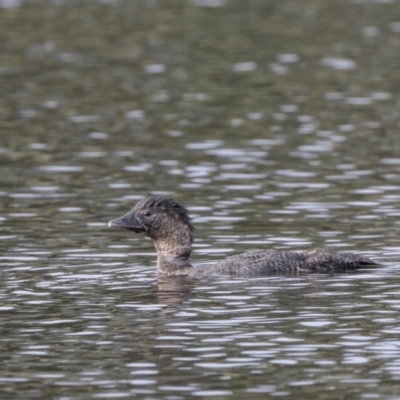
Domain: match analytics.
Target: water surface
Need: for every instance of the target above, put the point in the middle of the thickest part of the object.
(275, 122)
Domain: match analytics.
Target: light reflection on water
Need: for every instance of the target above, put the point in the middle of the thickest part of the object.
(214, 326)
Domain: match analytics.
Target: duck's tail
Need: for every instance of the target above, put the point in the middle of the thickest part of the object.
(326, 260)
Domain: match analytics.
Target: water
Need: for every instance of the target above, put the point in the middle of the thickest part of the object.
(275, 122)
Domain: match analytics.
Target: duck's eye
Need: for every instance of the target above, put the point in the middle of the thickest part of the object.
(147, 214)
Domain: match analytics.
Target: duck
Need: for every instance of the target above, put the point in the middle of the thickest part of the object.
(168, 224)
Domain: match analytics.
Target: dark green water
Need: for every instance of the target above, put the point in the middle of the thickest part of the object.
(275, 122)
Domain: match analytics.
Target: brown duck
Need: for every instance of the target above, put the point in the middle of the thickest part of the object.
(168, 225)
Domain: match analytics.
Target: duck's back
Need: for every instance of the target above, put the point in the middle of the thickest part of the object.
(258, 263)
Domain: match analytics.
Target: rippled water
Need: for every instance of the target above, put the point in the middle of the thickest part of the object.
(275, 122)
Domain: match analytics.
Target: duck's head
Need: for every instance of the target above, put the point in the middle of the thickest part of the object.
(158, 217)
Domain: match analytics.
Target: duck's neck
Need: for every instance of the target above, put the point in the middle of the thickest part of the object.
(173, 252)
(173, 266)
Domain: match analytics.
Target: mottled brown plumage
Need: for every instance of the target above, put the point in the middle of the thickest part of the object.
(169, 226)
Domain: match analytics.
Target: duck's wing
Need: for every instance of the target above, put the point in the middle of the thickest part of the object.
(259, 263)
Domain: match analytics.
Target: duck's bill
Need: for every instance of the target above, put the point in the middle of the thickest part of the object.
(128, 222)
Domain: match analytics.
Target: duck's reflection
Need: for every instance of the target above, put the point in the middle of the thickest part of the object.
(173, 291)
